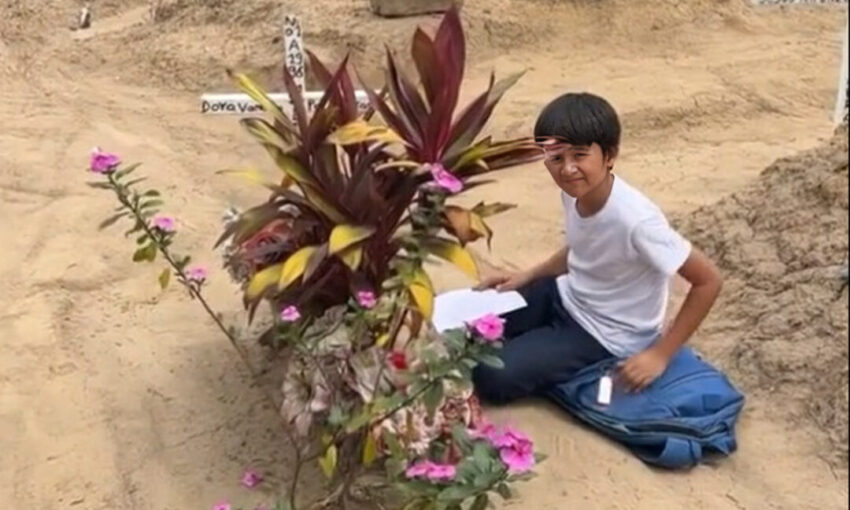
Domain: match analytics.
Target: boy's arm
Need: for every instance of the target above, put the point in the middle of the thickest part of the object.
(555, 265)
(641, 369)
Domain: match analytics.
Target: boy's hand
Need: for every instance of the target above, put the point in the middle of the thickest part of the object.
(504, 281)
(640, 370)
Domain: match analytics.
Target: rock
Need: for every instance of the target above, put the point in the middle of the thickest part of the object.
(398, 8)
(84, 20)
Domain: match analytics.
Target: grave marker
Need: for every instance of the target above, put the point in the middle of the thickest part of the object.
(294, 60)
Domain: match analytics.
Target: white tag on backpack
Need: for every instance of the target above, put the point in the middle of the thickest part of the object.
(605, 388)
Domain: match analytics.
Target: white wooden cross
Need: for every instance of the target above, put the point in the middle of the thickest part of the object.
(242, 104)
(841, 99)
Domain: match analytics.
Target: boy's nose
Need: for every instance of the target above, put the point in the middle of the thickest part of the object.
(570, 170)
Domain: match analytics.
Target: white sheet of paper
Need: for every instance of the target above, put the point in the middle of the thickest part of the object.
(456, 308)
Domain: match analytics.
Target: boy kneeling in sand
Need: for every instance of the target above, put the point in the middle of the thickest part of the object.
(606, 293)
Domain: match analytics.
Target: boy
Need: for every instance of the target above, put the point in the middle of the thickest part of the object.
(606, 293)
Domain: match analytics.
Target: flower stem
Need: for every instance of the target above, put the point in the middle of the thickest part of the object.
(195, 292)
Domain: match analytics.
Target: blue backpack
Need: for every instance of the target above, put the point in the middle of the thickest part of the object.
(688, 411)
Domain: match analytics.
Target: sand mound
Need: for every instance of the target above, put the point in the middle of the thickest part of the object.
(780, 327)
(187, 44)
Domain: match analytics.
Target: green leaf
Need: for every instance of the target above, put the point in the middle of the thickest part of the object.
(358, 421)
(491, 360)
(151, 193)
(337, 416)
(135, 181)
(126, 171)
(480, 502)
(111, 220)
(482, 456)
(164, 278)
(147, 252)
(456, 493)
(504, 490)
(151, 203)
(99, 185)
(328, 461)
(433, 398)
(137, 227)
(370, 450)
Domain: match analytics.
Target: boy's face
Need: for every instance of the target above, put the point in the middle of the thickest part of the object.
(577, 169)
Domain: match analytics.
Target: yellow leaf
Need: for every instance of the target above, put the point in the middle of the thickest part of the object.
(265, 133)
(422, 292)
(461, 223)
(370, 450)
(164, 278)
(290, 166)
(249, 175)
(454, 253)
(344, 236)
(398, 164)
(257, 94)
(382, 340)
(328, 461)
(359, 131)
(294, 266)
(261, 281)
(352, 257)
(322, 205)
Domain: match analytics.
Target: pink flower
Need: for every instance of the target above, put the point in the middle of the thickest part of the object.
(164, 223)
(445, 179)
(290, 314)
(518, 458)
(103, 162)
(197, 274)
(486, 431)
(251, 478)
(221, 505)
(367, 299)
(417, 469)
(491, 327)
(509, 438)
(432, 471)
(440, 472)
(515, 448)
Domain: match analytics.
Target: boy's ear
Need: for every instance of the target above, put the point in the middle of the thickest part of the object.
(611, 158)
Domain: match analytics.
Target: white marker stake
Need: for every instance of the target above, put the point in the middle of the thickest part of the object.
(843, 87)
(294, 50)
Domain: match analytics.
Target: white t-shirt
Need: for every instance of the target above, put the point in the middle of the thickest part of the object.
(620, 264)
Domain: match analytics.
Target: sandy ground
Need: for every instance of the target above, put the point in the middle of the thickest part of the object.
(114, 395)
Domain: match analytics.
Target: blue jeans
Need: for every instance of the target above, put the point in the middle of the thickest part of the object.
(543, 346)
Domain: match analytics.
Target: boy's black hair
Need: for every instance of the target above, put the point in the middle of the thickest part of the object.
(580, 118)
